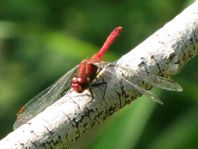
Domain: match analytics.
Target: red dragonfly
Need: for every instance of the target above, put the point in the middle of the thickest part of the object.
(86, 72)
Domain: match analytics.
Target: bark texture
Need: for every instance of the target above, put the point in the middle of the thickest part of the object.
(164, 53)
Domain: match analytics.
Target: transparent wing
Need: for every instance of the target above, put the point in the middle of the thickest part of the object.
(153, 80)
(157, 81)
(44, 99)
(163, 83)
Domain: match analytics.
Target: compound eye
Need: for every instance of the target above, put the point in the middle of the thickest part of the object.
(77, 88)
(75, 79)
(79, 84)
(81, 80)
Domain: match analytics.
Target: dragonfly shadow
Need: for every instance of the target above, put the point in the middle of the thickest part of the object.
(98, 90)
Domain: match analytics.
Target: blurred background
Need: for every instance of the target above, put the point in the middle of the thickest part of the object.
(41, 40)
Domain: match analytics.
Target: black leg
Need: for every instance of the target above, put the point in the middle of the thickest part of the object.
(96, 84)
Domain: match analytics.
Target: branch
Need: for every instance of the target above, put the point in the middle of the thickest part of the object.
(164, 53)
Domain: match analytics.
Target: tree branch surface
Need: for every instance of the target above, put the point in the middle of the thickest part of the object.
(164, 53)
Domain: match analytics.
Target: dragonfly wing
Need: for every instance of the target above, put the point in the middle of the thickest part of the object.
(44, 99)
(161, 82)
(141, 90)
(157, 81)
(145, 92)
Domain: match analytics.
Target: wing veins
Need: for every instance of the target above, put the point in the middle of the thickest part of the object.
(38, 103)
(154, 80)
(136, 87)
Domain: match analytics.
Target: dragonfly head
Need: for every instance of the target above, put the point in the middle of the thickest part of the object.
(79, 84)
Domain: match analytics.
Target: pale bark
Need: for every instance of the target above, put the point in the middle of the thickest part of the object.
(163, 53)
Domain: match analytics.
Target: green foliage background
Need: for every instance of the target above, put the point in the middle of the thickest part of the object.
(41, 40)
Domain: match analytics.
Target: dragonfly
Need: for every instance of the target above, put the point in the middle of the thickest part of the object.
(82, 76)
